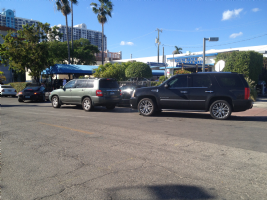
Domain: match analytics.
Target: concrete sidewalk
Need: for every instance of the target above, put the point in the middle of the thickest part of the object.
(259, 108)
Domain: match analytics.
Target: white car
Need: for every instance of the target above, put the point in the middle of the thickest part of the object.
(7, 90)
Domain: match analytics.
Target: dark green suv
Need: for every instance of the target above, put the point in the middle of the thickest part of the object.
(88, 93)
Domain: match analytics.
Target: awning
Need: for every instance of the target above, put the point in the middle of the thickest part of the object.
(70, 69)
(82, 69)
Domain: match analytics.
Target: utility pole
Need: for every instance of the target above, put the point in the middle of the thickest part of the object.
(158, 42)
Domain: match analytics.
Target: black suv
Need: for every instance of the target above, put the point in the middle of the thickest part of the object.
(88, 93)
(221, 93)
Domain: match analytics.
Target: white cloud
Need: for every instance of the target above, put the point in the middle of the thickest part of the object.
(229, 14)
(255, 9)
(126, 43)
(234, 35)
(197, 29)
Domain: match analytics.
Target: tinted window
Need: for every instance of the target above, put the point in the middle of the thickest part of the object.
(70, 84)
(108, 84)
(84, 84)
(6, 86)
(32, 88)
(180, 81)
(201, 81)
(229, 81)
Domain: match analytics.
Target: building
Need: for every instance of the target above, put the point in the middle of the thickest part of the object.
(8, 19)
(81, 31)
(192, 60)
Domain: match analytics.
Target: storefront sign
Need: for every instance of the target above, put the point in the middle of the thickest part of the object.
(192, 60)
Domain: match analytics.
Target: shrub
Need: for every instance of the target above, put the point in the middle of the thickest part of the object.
(138, 70)
(252, 87)
(18, 86)
(248, 63)
(182, 71)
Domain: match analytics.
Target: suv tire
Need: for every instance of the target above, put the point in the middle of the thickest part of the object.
(87, 104)
(220, 110)
(146, 107)
(20, 100)
(55, 102)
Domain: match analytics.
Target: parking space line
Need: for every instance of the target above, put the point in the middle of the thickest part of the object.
(71, 129)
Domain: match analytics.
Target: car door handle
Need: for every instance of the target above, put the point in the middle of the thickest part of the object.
(183, 92)
(209, 91)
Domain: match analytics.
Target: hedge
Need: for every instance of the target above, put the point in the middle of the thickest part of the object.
(248, 63)
(18, 86)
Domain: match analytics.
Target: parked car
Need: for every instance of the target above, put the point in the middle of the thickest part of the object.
(220, 93)
(259, 86)
(7, 90)
(88, 93)
(126, 93)
(34, 93)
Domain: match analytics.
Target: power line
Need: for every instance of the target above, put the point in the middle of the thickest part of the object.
(187, 46)
(216, 29)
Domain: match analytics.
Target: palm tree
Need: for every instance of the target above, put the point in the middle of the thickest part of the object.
(72, 2)
(177, 50)
(105, 8)
(64, 7)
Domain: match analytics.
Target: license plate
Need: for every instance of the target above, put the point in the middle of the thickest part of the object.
(112, 93)
(27, 97)
(10, 90)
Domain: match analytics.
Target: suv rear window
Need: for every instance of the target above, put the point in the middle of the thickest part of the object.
(108, 84)
(229, 81)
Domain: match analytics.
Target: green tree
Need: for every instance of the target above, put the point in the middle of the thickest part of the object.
(25, 51)
(115, 70)
(64, 7)
(83, 52)
(177, 50)
(138, 70)
(2, 77)
(102, 10)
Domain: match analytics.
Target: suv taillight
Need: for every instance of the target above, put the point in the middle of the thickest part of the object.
(120, 92)
(99, 93)
(247, 93)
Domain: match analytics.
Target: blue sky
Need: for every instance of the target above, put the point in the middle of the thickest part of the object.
(184, 23)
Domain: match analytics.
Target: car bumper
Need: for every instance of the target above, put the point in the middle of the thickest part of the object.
(8, 94)
(133, 103)
(31, 97)
(99, 101)
(242, 105)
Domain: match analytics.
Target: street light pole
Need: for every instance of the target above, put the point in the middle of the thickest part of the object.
(211, 39)
(204, 50)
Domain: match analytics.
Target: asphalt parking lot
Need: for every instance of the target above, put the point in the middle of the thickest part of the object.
(67, 153)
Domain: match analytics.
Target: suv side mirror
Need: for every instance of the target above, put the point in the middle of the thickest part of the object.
(166, 85)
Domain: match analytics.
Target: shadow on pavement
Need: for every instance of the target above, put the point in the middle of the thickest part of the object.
(166, 192)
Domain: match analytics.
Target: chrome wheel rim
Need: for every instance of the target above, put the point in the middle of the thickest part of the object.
(86, 104)
(146, 107)
(220, 110)
(55, 101)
